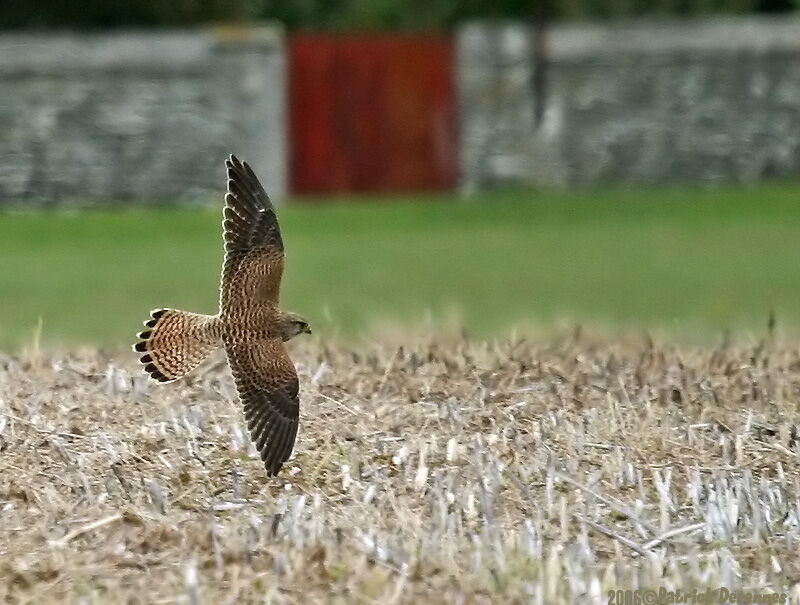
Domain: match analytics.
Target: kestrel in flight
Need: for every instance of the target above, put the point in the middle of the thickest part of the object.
(249, 326)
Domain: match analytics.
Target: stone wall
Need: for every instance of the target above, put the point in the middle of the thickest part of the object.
(634, 103)
(139, 115)
(152, 115)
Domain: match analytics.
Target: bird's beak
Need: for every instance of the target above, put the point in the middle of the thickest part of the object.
(307, 329)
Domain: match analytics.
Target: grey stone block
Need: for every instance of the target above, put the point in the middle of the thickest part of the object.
(648, 102)
(144, 115)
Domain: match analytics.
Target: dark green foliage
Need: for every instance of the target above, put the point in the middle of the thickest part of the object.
(114, 13)
(442, 14)
(351, 15)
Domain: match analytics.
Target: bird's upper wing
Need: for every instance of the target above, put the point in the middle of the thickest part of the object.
(254, 254)
(267, 383)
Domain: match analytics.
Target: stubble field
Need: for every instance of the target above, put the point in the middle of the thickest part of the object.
(447, 471)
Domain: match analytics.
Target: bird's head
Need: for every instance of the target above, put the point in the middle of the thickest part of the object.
(291, 324)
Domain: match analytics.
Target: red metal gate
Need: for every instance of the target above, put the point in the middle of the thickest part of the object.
(371, 113)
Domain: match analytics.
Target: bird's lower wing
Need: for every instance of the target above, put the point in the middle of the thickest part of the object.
(267, 384)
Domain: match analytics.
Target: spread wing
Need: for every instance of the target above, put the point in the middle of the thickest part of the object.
(254, 253)
(266, 380)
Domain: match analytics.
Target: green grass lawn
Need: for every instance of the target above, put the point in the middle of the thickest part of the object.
(690, 261)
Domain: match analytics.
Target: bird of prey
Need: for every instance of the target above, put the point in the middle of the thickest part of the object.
(250, 326)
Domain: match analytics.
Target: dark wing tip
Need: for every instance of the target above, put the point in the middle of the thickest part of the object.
(276, 452)
(273, 469)
(272, 421)
(273, 435)
(234, 165)
(249, 218)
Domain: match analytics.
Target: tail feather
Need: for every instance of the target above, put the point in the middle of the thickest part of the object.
(175, 342)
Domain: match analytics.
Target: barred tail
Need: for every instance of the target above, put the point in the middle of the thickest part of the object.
(175, 342)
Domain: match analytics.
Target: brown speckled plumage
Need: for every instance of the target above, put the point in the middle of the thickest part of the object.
(250, 325)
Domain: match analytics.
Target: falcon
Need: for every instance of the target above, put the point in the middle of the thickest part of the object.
(250, 326)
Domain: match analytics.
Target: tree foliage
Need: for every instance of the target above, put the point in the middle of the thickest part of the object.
(353, 15)
(114, 13)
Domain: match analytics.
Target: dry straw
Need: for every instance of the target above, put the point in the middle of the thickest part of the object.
(448, 471)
